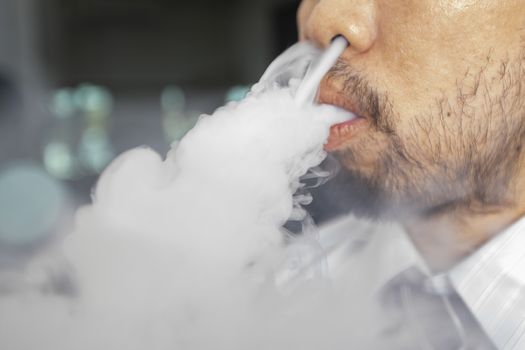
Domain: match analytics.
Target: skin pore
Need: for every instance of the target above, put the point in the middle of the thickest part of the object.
(440, 89)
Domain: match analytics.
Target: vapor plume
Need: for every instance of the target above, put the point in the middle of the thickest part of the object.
(188, 252)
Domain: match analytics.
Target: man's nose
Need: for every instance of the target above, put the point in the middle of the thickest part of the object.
(322, 20)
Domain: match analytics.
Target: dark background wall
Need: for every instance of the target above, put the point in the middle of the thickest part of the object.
(138, 43)
(134, 48)
(81, 81)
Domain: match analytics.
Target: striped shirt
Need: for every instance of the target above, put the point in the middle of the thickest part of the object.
(492, 284)
(491, 281)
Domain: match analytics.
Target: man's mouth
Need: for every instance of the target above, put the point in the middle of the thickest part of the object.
(342, 134)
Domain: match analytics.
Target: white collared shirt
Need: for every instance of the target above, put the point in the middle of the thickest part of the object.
(492, 284)
(491, 281)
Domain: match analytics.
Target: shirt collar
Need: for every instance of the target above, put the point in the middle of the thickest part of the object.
(491, 281)
(383, 250)
(492, 284)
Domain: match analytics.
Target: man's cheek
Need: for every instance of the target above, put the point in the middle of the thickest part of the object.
(303, 14)
(367, 156)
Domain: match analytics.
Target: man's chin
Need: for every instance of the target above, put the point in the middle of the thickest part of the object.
(351, 193)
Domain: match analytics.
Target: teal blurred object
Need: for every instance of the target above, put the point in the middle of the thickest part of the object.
(95, 150)
(93, 99)
(31, 204)
(59, 160)
(62, 103)
(78, 143)
(176, 120)
(173, 98)
(237, 93)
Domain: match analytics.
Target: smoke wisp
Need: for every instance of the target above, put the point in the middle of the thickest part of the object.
(188, 252)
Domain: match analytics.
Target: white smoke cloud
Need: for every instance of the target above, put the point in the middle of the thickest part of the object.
(188, 252)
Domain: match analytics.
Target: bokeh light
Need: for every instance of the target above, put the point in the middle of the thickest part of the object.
(95, 151)
(59, 160)
(93, 99)
(79, 146)
(237, 93)
(31, 204)
(62, 103)
(177, 120)
(173, 98)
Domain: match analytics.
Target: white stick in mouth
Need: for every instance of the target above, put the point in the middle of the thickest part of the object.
(310, 84)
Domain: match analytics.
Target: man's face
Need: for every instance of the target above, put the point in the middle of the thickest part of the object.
(439, 86)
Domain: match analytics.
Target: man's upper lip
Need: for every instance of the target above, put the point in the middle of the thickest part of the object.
(328, 94)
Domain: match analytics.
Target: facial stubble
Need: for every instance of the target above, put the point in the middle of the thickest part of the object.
(466, 149)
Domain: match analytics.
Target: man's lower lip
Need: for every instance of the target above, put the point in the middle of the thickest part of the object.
(343, 133)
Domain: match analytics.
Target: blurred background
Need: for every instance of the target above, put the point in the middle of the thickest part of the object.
(81, 81)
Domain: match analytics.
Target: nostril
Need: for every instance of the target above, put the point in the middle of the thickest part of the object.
(342, 38)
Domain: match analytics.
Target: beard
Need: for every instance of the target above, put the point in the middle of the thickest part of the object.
(466, 149)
